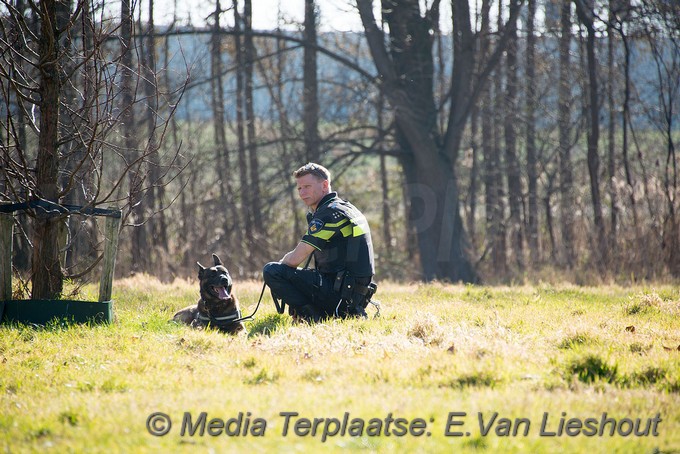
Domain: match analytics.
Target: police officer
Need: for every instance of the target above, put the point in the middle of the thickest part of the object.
(339, 240)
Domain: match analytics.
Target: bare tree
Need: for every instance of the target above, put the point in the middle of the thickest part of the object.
(63, 82)
(493, 172)
(255, 200)
(246, 212)
(611, 131)
(564, 122)
(47, 273)
(430, 156)
(532, 164)
(586, 16)
(663, 38)
(222, 151)
(310, 90)
(510, 125)
(154, 199)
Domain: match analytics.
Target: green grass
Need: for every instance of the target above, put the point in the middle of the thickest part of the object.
(521, 352)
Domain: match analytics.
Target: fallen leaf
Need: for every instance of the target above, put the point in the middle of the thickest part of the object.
(630, 329)
(451, 349)
(668, 349)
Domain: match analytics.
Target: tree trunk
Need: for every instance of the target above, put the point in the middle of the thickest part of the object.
(138, 259)
(253, 165)
(222, 155)
(156, 194)
(532, 159)
(611, 151)
(430, 181)
(585, 17)
(625, 118)
(492, 175)
(246, 212)
(386, 214)
(549, 224)
(474, 176)
(510, 125)
(564, 119)
(429, 159)
(310, 84)
(47, 275)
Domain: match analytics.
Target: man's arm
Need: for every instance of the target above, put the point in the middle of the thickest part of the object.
(297, 255)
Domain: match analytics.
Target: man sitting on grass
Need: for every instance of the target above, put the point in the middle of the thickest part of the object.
(339, 240)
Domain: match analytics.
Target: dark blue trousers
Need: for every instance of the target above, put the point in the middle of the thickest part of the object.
(302, 288)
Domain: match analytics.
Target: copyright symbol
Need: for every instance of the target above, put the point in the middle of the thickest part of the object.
(158, 424)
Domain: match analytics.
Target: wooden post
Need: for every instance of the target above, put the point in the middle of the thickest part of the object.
(6, 228)
(110, 249)
(63, 239)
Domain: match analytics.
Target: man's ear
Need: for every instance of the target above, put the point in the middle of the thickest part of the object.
(326, 185)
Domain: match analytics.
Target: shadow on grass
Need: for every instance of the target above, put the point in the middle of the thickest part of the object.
(592, 368)
(268, 325)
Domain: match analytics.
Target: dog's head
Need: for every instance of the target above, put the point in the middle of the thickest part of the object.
(215, 282)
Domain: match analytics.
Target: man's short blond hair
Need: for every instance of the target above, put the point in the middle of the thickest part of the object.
(311, 168)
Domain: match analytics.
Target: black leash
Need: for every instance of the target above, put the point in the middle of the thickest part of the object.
(250, 317)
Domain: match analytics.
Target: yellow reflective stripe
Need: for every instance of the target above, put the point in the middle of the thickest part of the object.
(346, 230)
(357, 231)
(336, 224)
(324, 234)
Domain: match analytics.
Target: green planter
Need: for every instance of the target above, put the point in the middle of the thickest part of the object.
(41, 312)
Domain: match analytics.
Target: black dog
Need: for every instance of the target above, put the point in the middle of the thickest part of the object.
(218, 306)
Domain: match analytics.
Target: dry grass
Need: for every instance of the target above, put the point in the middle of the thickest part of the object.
(520, 351)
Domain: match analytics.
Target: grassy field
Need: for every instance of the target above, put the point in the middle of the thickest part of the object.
(446, 368)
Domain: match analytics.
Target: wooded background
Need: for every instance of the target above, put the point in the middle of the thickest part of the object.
(507, 140)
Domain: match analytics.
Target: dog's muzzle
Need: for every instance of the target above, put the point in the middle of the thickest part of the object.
(221, 291)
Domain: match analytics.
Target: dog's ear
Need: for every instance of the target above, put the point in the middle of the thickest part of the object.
(217, 260)
(201, 269)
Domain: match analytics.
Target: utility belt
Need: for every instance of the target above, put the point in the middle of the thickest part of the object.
(355, 291)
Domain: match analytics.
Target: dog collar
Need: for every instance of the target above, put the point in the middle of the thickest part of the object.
(226, 318)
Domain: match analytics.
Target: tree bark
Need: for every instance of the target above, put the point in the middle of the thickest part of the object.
(532, 159)
(564, 120)
(585, 16)
(222, 152)
(246, 213)
(139, 242)
(429, 159)
(155, 195)
(47, 275)
(493, 175)
(254, 201)
(625, 118)
(493, 178)
(430, 181)
(512, 162)
(386, 213)
(310, 85)
(611, 151)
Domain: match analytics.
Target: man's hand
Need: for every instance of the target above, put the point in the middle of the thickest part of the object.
(297, 255)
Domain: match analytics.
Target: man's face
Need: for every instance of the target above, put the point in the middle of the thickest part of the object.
(311, 189)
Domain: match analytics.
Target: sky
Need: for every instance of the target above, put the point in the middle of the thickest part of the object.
(334, 14)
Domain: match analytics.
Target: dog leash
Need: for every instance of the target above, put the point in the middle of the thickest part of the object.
(250, 317)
